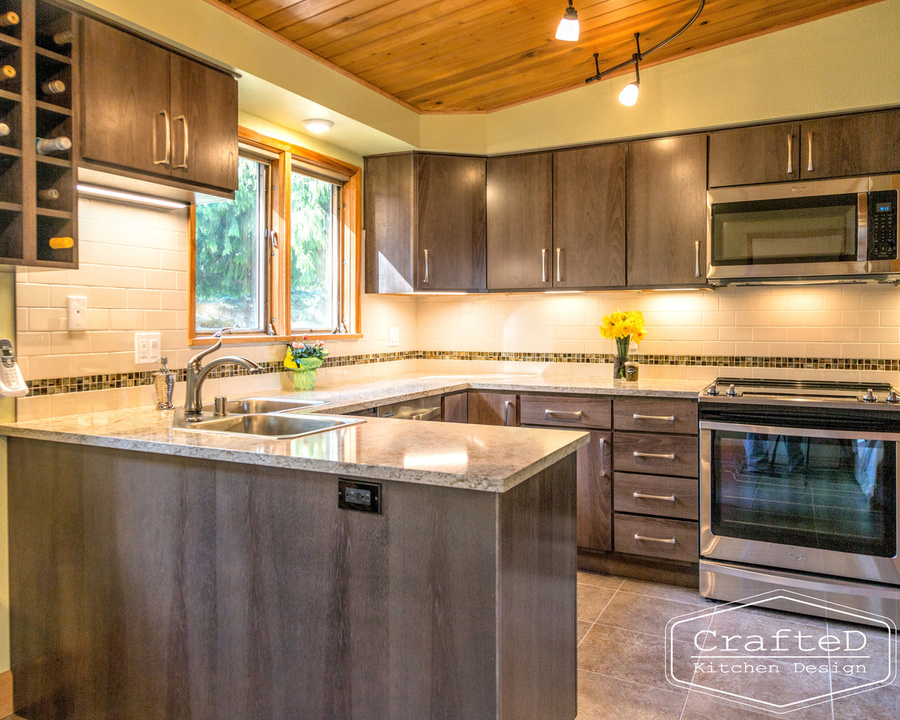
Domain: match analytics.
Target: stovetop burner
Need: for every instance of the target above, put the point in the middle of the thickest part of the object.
(832, 392)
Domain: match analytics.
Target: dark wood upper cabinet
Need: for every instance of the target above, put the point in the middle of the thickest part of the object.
(149, 111)
(667, 212)
(451, 252)
(862, 144)
(124, 96)
(589, 217)
(754, 155)
(520, 222)
(425, 223)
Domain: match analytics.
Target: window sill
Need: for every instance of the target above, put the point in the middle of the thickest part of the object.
(270, 339)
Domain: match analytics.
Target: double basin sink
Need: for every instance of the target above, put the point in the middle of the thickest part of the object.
(266, 417)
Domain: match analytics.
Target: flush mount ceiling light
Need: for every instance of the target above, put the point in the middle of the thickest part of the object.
(318, 125)
(568, 27)
(629, 94)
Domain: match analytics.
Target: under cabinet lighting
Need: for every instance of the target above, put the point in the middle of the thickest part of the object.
(102, 192)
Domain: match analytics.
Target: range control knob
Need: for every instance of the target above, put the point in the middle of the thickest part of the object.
(869, 396)
(893, 397)
(713, 390)
(731, 392)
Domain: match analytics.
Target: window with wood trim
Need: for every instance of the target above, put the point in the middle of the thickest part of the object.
(282, 258)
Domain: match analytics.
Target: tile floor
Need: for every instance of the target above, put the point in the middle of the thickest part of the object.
(621, 659)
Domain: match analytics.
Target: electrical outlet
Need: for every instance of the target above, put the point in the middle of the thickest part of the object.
(393, 337)
(147, 348)
(77, 313)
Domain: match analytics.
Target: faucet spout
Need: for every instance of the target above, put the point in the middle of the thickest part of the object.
(196, 374)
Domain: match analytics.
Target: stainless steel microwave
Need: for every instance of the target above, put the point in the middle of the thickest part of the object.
(818, 231)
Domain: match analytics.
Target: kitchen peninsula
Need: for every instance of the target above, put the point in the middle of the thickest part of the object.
(157, 572)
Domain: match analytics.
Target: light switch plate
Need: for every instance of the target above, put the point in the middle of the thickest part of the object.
(77, 313)
(147, 348)
(393, 337)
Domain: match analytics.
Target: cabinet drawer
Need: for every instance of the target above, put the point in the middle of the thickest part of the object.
(656, 454)
(655, 537)
(565, 411)
(673, 497)
(667, 415)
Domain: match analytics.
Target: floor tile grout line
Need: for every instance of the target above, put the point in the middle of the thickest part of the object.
(599, 614)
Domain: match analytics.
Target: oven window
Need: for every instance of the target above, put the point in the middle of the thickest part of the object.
(825, 493)
(800, 230)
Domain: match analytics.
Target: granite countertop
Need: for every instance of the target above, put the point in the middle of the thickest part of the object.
(475, 457)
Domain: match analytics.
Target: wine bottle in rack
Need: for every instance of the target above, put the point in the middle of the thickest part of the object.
(9, 18)
(4, 129)
(53, 87)
(60, 243)
(7, 72)
(48, 195)
(63, 38)
(46, 146)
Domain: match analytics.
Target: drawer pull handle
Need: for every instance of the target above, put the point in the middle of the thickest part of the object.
(663, 456)
(602, 457)
(664, 418)
(644, 496)
(576, 415)
(644, 538)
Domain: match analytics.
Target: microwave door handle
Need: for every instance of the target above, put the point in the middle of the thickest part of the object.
(862, 227)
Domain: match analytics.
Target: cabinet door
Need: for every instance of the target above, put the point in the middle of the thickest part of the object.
(389, 215)
(667, 212)
(125, 100)
(753, 155)
(520, 222)
(594, 528)
(204, 120)
(863, 144)
(451, 223)
(492, 408)
(589, 217)
(455, 408)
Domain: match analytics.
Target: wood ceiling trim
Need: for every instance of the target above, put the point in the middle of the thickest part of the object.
(313, 56)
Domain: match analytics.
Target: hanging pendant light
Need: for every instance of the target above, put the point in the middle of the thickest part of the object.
(568, 29)
(629, 94)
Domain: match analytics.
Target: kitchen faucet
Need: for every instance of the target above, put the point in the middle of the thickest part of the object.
(193, 404)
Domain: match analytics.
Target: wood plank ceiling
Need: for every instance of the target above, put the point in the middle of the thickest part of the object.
(445, 56)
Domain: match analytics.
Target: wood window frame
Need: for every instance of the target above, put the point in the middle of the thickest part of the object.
(278, 278)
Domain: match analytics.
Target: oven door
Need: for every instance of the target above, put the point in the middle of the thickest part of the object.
(816, 229)
(811, 500)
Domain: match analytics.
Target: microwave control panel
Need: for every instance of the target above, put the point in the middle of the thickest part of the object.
(883, 225)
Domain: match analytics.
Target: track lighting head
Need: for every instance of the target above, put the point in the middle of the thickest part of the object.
(568, 29)
(629, 94)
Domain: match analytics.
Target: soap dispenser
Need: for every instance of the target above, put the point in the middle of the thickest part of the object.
(164, 380)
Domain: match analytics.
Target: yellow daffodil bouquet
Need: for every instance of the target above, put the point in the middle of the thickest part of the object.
(623, 327)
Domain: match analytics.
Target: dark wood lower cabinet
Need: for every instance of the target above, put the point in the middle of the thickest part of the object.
(151, 586)
(455, 408)
(595, 493)
(487, 408)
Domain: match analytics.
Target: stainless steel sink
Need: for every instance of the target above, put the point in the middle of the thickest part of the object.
(271, 426)
(256, 406)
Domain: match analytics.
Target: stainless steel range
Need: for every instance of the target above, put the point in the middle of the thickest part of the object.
(798, 486)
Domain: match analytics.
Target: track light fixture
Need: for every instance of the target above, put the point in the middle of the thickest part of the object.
(629, 94)
(568, 27)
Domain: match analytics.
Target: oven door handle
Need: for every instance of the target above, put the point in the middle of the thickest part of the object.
(799, 432)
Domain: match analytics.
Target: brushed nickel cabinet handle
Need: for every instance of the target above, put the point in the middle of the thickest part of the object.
(187, 143)
(602, 457)
(507, 405)
(667, 541)
(664, 418)
(790, 167)
(543, 265)
(558, 264)
(645, 496)
(697, 259)
(426, 266)
(165, 160)
(809, 166)
(575, 415)
(662, 456)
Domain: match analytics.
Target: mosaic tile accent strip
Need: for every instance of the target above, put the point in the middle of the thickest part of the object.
(84, 383)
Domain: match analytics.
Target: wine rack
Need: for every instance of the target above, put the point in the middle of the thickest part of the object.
(37, 191)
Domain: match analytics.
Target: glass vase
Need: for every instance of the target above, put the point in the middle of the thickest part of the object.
(619, 366)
